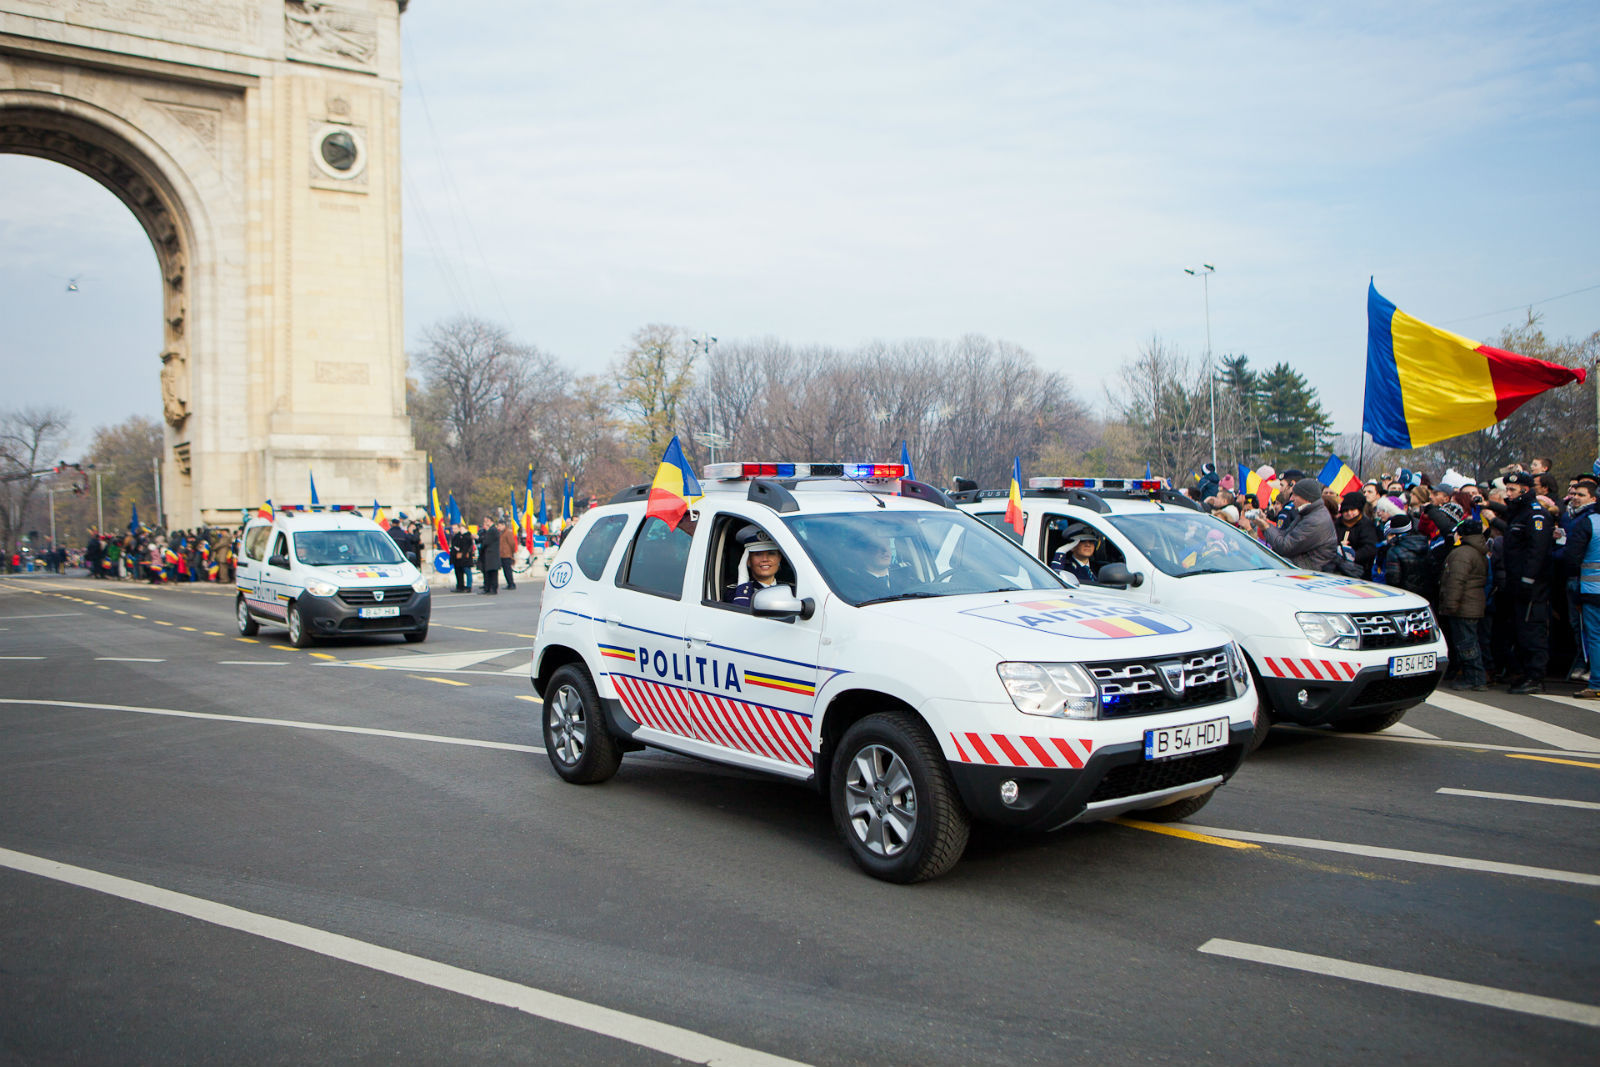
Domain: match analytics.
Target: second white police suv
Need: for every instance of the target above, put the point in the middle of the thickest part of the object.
(1324, 649)
(910, 662)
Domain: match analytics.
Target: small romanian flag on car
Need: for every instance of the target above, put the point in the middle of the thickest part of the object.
(675, 487)
(1014, 514)
(1425, 384)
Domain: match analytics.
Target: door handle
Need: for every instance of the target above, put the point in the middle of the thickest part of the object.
(699, 639)
(614, 622)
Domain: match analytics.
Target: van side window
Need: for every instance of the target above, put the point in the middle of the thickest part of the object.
(997, 519)
(597, 544)
(657, 559)
(255, 542)
(280, 546)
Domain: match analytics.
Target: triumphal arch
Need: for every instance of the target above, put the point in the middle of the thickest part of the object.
(258, 143)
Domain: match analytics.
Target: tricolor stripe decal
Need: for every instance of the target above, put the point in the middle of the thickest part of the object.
(618, 652)
(780, 683)
(1014, 750)
(1320, 670)
(754, 729)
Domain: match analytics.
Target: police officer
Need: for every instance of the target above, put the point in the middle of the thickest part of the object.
(1528, 543)
(1076, 552)
(763, 560)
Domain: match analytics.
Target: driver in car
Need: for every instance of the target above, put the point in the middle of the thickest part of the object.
(763, 560)
(1076, 554)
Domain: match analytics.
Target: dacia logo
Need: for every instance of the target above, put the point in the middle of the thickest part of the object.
(377, 595)
(1172, 677)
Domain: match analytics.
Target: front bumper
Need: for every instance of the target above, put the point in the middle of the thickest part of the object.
(329, 616)
(1369, 692)
(1115, 779)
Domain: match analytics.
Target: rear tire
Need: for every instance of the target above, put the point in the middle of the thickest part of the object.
(1178, 809)
(298, 636)
(1370, 724)
(894, 802)
(248, 627)
(580, 746)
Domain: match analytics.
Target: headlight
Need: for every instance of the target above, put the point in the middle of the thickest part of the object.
(316, 588)
(1329, 630)
(1060, 690)
(1237, 669)
(420, 585)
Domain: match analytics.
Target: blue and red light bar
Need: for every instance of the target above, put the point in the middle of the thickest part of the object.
(1127, 485)
(725, 472)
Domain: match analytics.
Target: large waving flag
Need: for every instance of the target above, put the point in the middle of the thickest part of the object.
(905, 460)
(1014, 514)
(1337, 475)
(1253, 485)
(1425, 384)
(435, 516)
(675, 487)
(527, 512)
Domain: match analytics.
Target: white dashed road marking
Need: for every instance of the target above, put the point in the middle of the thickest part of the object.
(1554, 802)
(1526, 725)
(607, 1022)
(126, 659)
(1489, 996)
(53, 615)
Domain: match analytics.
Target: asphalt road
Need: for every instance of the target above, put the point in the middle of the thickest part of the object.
(195, 868)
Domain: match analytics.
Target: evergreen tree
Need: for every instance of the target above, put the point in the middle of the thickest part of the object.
(1294, 427)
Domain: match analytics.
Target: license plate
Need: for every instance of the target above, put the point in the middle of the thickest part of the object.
(379, 613)
(1169, 741)
(1420, 663)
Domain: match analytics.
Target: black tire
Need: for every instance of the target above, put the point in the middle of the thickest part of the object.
(1263, 712)
(299, 636)
(580, 746)
(1178, 809)
(867, 786)
(417, 636)
(248, 627)
(1370, 724)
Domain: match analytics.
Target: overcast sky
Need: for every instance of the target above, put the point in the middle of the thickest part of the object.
(839, 172)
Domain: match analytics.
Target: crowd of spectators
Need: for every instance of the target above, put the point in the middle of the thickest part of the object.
(204, 554)
(1498, 561)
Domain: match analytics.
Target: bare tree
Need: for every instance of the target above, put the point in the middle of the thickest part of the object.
(30, 442)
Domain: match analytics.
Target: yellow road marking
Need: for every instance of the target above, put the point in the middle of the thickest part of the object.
(119, 611)
(536, 700)
(441, 681)
(211, 633)
(371, 666)
(247, 640)
(470, 629)
(138, 616)
(102, 607)
(130, 596)
(285, 648)
(1187, 835)
(158, 622)
(191, 629)
(508, 633)
(322, 655)
(1552, 759)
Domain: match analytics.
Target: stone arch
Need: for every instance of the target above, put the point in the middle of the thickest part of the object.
(100, 145)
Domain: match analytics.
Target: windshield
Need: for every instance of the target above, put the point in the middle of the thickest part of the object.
(1182, 544)
(867, 557)
(331, 548)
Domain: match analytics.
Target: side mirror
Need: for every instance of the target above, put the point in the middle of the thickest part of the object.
(1118, 576)
(779, 602)
(278, 561)
(1069, 579)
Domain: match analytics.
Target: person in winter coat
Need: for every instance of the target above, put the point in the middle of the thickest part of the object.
(1405, 564)
(1358, 538)
(1583, 554)
(508, 552)
(1463, 602)
(1307, 539)
(489, 555)
(462, 556)
(1529, 537)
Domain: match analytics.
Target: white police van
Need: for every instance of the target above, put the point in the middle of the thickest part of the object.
(912, 664)
(1324, 649)
(328, 573)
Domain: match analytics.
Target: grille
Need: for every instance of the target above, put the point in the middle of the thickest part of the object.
(398, 594)
(1139, 687)
(1148, 776)
(1395, 629)
(1390, 690)
(403, 622)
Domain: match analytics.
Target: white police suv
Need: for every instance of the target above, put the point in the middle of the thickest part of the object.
(911, 663)
(328, 573)
(1324, 649)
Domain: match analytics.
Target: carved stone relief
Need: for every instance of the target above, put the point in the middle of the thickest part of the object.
(320, 32)
(200, 121)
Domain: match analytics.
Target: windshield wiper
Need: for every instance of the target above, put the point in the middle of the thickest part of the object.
(898, 596)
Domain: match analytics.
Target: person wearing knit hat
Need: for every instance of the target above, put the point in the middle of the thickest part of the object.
(1405, 563)
(1359, 539)
(1307, 539)
(763, 558)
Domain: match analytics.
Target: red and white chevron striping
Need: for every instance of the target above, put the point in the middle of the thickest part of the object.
(1013, 750)
(1320, 670)
(717, 720)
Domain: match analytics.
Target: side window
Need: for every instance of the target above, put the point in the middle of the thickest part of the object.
(726, 565)
(280, 546)
(997, 519)
(1055, 535)
(255, 542)
(597, 544)
(657, 560)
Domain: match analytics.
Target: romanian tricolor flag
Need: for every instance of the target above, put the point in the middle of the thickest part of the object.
(527, 511)
(1337, 475)
(265, 511)
(567, 489)
(544, 516)
(435, 516)
(1425, 384)
(1252, 485)
(378, 516)
(1014, 514)
(675, 488)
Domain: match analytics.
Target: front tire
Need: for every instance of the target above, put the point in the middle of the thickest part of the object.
(1370, 724)
(580, 747)
(1178, 809)
(298, 636)
(248, 627)
(894, 802)
(417, 636)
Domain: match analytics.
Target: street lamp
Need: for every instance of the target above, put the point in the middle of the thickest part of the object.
(1204, 273)
(710, 438)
